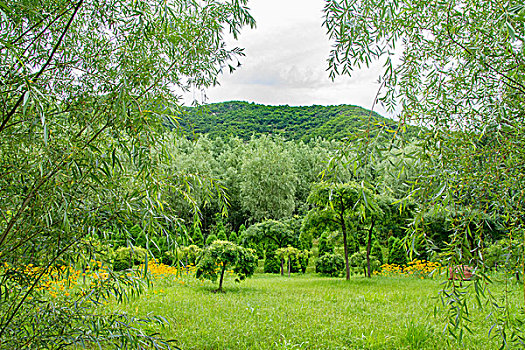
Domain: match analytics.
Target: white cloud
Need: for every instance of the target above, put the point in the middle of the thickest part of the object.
(285, 61)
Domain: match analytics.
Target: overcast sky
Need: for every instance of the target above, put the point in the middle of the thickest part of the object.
(285, 61)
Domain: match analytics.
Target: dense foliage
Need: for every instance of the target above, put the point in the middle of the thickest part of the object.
(460, 73)
(84, 87)
(222, 256)
(244, 120)
(330, 264)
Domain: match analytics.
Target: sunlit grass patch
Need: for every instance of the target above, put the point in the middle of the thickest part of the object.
(306, 312)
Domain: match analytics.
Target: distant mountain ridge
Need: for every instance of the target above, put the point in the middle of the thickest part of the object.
(244, 119)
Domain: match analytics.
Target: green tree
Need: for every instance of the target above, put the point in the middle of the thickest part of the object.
(221, 230)
(85, 89)
(397, 254)
(268, 180)
(289, 254)
(233, 237)
(274, 235)
(197, 237)
(458, 74)
(330, 264)
(210, 239)
(377, 251)
(223, 255)
(190, 255)
(340, 201)
(365, 261)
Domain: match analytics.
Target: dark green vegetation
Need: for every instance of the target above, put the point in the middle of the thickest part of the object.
(244, 120)
(310, 312)
(221, 256)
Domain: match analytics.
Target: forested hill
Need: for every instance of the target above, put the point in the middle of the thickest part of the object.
(243, 119)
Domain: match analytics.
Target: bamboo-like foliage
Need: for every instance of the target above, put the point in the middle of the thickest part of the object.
(456, 68)
(84, 87)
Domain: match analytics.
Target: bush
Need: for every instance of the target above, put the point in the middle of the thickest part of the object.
(325, 245)
(330, 264)
(358, 259)
(197, 237)
(397, 254)
(211, 238)
(168, 258)
(138, 235)
(377, 251)
(272, 264)
(504, 254)
(127, 257)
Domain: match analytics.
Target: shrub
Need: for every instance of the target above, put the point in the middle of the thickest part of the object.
(233, 237)
(377, 251)
(397, 254)
(221, 235)
(358, 259)
(325, 245)
(168, 258)
(138, 235)
(330, 264)
(224, 255)
(272, 264)
(211, 238)
(197, 237)
(127, 257)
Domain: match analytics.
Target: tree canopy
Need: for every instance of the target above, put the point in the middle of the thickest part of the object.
(84, 89)
(456, 68)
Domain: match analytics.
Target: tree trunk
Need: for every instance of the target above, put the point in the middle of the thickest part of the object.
(222, 278)
(282, 266)
(345, 243)
(289, 265)
(368, 249)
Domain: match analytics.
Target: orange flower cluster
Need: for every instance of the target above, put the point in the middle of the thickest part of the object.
(63, 281)
(419, 268)
(161, 270)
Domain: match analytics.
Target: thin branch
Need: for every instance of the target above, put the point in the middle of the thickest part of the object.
(35, 78)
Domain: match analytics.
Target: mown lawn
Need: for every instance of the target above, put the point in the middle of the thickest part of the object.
(307, 312)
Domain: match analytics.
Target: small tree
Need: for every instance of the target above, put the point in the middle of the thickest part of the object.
(341, 201)
(287, 254)
(271, 233)
(190, 254)
(397, 254)
(211, 238)
(197, 237)
(233, 237)
(220, 256)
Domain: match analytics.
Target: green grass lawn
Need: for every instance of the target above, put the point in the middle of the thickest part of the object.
(306, 312)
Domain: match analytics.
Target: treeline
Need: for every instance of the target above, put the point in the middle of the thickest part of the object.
(244, 120)
(261, 193)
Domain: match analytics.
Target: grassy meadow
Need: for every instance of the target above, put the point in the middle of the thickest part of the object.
(307, 312)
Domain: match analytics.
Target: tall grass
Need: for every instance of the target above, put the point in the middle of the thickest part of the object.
(307, 312)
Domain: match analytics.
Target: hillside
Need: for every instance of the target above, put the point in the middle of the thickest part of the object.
(243, 119)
